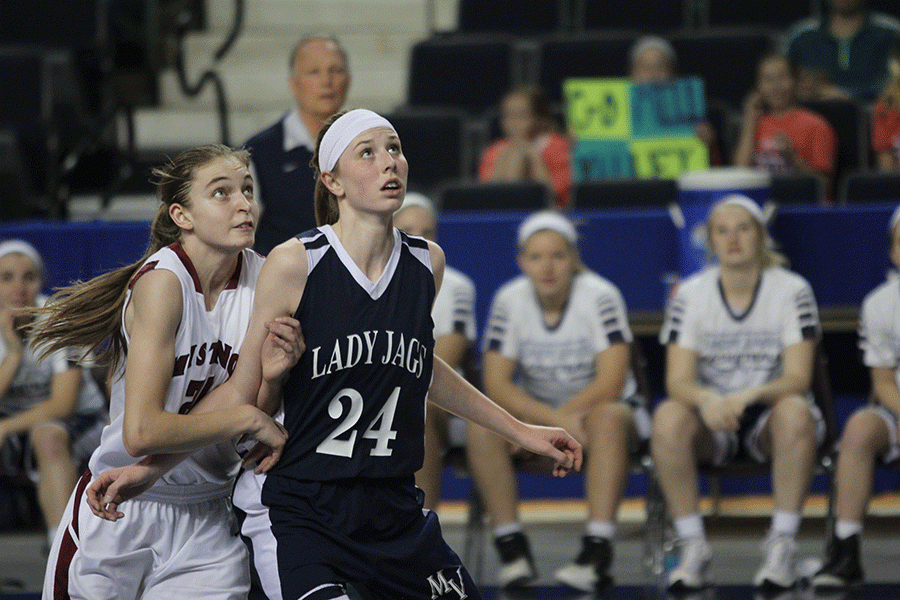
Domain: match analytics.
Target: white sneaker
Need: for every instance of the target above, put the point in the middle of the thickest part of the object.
(516, 573)
(693, 562)
(777, 569)
(590, 569)
(516, 565)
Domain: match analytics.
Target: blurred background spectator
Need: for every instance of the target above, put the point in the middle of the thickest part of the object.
(886, 117)
(846, 48)
(531, 148)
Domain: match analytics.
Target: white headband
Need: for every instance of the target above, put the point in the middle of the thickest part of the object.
(416, 199)
(744, 202)
(547, 219)
(895, 217)
(342, 132)
(22, 247)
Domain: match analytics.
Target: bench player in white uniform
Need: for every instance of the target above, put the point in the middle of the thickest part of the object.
(740, 341)
(181, 313)
(342, 501)
(454, 333)
(51, 410)
(871, 433)
(556, 352)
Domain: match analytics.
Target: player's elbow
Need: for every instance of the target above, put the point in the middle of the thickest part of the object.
(137, 442)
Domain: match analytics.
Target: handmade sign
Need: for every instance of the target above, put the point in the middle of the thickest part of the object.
(625, 129)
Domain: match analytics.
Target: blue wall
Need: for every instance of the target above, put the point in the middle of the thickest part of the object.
(842, 251)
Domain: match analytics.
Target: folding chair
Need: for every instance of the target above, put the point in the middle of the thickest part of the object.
(849, 121)
(661, 16)
(770, 14)
(589, 54)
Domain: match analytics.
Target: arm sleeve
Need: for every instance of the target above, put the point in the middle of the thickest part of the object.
(613, 321)
(801, 317)
(678, 326)
(875, 335)
(500, 335)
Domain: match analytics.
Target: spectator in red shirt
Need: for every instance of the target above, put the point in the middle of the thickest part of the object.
(886, 118)
(777, 134)
(530, 149)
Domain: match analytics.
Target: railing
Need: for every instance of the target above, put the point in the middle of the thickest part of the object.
(210, 76)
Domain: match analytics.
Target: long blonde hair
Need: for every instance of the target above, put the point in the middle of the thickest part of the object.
(88, 314)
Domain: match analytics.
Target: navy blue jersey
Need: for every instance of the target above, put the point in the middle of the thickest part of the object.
(355, 402)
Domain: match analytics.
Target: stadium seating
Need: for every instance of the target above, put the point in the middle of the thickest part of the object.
(862, 186)
(466, 72)
(726, 59)
(491, 195)
(624, 193)
(436, 144)
(512, 16)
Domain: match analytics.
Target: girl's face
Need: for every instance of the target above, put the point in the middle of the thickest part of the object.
(776, 84)
(550, 262)
(371, 172)
(734, 237)
(518, 119)
(223, 213)
(20, 282)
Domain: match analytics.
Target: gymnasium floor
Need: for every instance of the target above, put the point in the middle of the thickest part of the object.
(555, 529)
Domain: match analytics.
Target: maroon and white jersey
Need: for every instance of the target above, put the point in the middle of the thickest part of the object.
(206, 349)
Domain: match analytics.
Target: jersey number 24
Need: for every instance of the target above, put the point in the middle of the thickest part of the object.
(379, 429)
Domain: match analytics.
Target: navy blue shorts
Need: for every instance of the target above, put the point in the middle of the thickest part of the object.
(371, 533)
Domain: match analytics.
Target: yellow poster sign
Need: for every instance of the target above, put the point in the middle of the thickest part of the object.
(624, 129)
(599, 108)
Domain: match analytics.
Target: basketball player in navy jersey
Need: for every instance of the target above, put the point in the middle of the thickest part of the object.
(342, 501)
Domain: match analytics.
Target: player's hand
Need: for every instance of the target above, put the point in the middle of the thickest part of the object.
(555, 443)
(739, 401)
(282, 348)
(271, 438)
(115, 486)
(718, 414)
